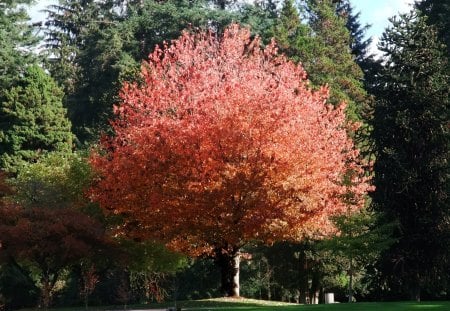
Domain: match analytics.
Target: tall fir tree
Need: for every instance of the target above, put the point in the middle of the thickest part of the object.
(359, 44)
(332, 61)
(316, 34)
(411, 136)
(32, 120)
(293, 37)
(260, 16)
(66, 27)
(438, 12)
(16, 42)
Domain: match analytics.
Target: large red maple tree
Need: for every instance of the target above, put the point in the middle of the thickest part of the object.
(223, 142)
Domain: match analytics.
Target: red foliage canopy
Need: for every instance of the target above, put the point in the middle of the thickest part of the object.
(223, 142)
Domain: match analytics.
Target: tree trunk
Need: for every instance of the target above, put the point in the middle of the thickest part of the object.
(303, 278)
(315, 289)
(415, 288)
(45, 291)
(350, 282)
(228, 262)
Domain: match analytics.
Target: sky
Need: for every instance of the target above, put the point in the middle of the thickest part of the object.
(377, 13)
(373, 12)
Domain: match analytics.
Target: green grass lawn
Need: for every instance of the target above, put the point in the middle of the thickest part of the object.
(228, 304)
(257, 305)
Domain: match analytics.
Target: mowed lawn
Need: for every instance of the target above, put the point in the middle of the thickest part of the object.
(226, 304)
(258, 305)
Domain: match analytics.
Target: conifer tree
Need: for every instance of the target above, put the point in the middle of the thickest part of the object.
(438, 12)
(66, 25)
(411, 136)
(358, 43)
(32, 120)
(16, 42)
(333, 62)
(293, 37)
(261, 17)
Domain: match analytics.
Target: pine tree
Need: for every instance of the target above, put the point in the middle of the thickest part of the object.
(32, 120)
(438, 12)
(66, 27)
(332, 61)
(293, 37)
(16, 42)
(260, 16)
(411, 136)
(358, 43)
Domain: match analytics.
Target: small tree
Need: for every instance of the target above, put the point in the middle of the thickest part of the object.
(224, 143)
(359, 243)
(41, 229)
(32, 120)
(89, 280)
(50, 239)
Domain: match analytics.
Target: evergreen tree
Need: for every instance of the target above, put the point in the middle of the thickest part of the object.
(438, 12)
(358, 44)
(411, 136)
(16, 42)
(293, 37)
(67, 25)
(32, 120)
(260, 16)
(324, 46)
(332, 61)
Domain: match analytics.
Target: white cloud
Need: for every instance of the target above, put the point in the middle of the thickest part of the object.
(35, 11)
(404, 5)
(373, 49)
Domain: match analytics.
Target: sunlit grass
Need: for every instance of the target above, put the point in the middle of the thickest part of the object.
(230, 304)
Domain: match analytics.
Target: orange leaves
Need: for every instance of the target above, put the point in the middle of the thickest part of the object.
(224, 143)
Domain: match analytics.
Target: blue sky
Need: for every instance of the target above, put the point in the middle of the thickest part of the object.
(377, 12)
(373, 12)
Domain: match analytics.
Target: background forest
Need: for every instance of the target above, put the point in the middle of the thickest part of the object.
(60, 80)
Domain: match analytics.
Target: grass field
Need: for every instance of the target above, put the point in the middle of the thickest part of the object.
(226, 304)
(258, 305)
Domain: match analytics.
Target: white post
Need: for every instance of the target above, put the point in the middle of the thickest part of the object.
(329, 298)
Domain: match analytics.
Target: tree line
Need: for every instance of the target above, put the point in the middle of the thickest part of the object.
(64, 79)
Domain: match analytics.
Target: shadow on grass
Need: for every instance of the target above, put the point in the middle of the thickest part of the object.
(258, 305)
(386, 306)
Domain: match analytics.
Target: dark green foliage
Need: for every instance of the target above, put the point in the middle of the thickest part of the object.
(17, 288)
(32, 120)
(66, 26)
(199, 280)
(324, 47)
(438, 12)
(16, 42)
(411, 136)
(293, 37)
(260, 17)
(295, 272)
(72, 31)
(332, 61)
(358, 44)
(360, 241)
